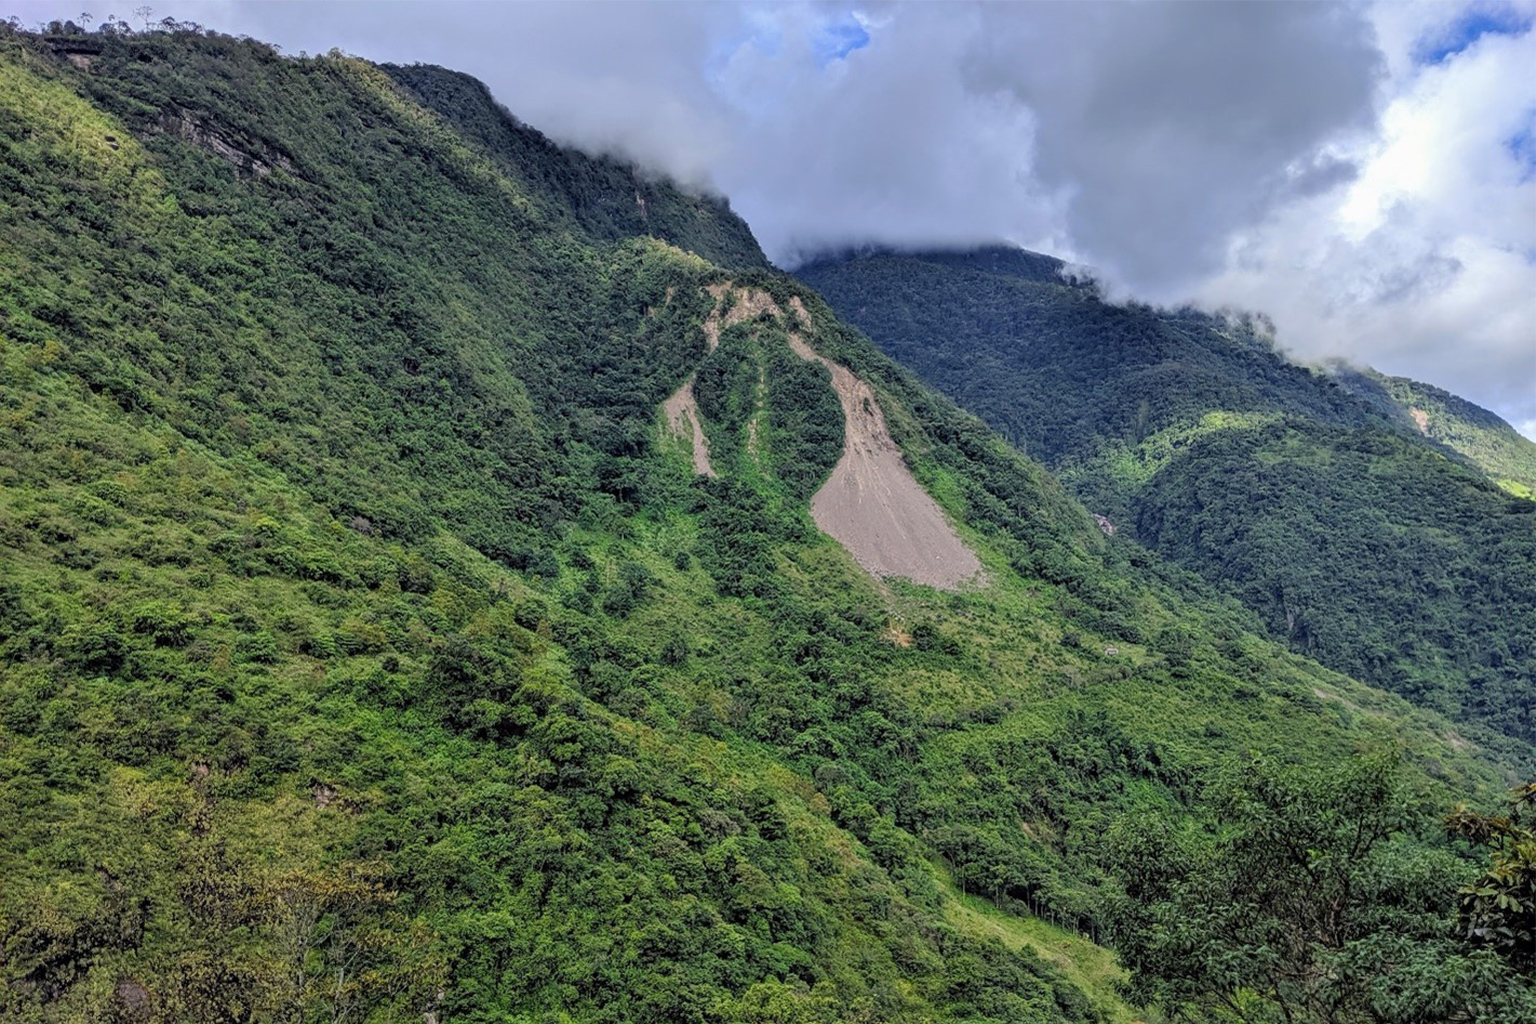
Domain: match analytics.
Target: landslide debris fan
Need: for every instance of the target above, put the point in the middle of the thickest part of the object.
(1380, 526)
(366, 652)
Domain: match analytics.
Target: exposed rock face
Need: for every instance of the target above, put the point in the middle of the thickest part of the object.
(239, 156)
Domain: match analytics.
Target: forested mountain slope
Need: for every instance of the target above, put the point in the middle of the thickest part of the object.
(609, 199)
(1357, 515)
(371, 650)
(1484, 439)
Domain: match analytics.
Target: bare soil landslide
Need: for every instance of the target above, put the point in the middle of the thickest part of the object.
(874, 507)
(682, 408)
(683, 420)
(745, 303)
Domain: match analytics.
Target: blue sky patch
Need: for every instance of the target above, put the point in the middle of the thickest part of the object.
(838, 39)
(1474, 23)
(1522, 146)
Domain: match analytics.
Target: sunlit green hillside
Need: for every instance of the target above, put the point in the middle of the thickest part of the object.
(370, 649)
(1360, 517)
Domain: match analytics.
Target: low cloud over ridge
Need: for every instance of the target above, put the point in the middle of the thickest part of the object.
(1366, 175)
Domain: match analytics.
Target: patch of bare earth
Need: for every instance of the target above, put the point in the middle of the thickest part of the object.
(873, 506)
(798, 308)
(871, 503)
(743, 303)
(749, 303)
(683, 420)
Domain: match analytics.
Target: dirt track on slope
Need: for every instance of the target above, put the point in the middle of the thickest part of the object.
(873, 506)
(683, 420)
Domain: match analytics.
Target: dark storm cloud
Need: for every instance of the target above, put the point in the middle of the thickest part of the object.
(1176, 124)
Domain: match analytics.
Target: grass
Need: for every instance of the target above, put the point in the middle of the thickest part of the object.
(1090, 967)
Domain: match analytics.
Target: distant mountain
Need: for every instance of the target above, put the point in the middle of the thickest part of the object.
(446, 577)
(1479, 436)
(1356, 514)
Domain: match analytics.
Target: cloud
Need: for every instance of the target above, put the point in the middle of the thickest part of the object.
(1425, 263)
(1362, 173)
(1176, 124)
(891, 143)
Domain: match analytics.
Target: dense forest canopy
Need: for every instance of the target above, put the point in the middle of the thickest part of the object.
(369, 649)
(1375, 524)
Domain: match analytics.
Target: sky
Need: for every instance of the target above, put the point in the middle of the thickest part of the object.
(1362, 173)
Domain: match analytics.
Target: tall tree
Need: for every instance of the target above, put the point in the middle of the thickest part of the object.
(1498, 908)
(1307, 907)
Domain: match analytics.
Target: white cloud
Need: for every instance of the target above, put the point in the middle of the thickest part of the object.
(1298, 159)
(1425, 265)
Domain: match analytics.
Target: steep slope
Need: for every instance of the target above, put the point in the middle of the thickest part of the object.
(610, 199)
(368, 648)
(683, 420)
(1360, 535)
(1060, 373)
(1471, 431)
(872, 504)
(868, 500)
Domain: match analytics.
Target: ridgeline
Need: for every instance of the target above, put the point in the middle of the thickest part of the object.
(370, 648)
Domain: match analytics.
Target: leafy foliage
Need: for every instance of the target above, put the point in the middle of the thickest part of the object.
(1316, 498)
(1367, 552)
(1498, 909)
(1306, 906)
(354, 625)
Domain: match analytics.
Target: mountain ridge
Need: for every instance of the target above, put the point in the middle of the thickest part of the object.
(1513, 464)
(370, 647)
(1201, 438)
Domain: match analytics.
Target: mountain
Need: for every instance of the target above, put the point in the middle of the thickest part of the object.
(1455, 424)
(431, 589)
(1360, 517)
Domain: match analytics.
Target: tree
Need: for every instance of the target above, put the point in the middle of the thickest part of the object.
(1308, 907)
(1498, 908)
(339, 946)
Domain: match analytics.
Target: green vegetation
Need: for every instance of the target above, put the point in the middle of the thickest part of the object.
(1060, 373)
(1358, 535)
(608, 198)
(1091, 968)
(1309, 904)
(1472, 432)
(805, 420)
(1498, 908)
(364, 654)
(1444, 556)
